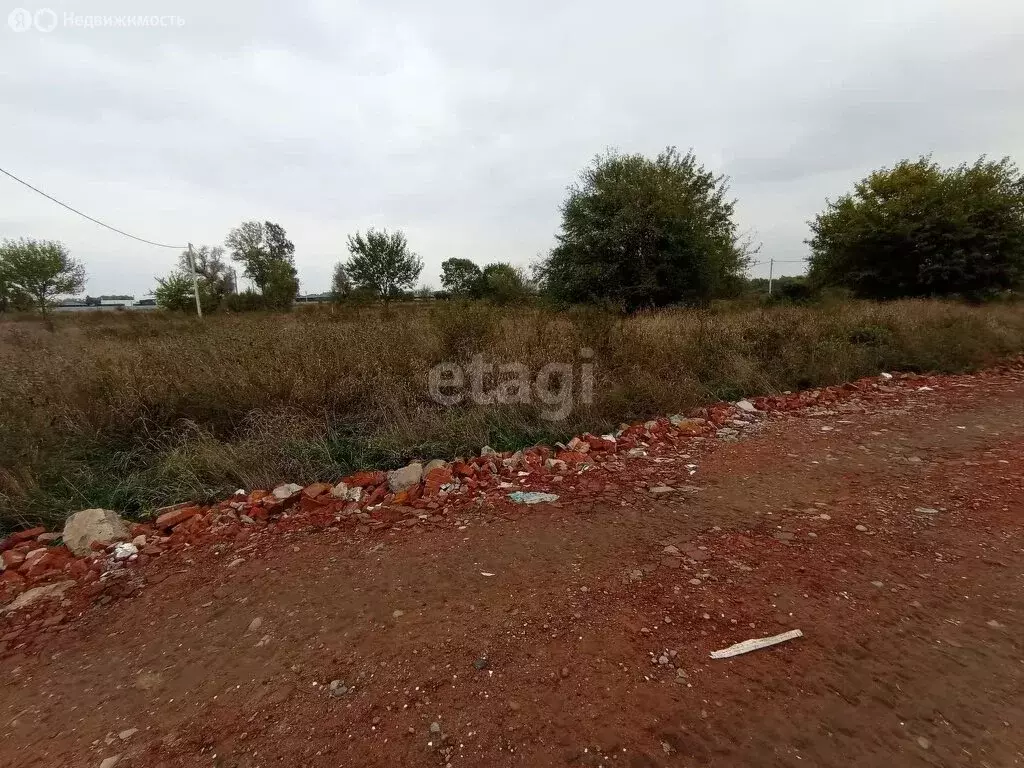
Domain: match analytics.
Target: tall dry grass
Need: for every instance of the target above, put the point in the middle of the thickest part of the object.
(130, 411)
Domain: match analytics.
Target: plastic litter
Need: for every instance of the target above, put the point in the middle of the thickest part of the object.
(756, 644)
(532, 497)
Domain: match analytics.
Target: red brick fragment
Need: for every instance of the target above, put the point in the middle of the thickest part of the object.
(29, 535)
(12, 558)
(365, 479)
(176, 515)
(315, 490)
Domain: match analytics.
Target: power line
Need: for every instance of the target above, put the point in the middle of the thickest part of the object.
(90, 218)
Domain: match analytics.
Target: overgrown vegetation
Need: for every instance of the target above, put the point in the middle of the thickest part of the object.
(131, 410)
(922, 230)
(640, 233)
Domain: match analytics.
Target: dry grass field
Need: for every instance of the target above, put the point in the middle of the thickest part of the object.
(129, 411)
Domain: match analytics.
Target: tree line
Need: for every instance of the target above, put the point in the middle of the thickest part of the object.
(636, 232)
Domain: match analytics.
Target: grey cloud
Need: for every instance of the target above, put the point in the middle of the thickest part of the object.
(463, 122)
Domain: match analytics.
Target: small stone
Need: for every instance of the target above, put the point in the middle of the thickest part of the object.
(746, 406)
(435, 727)
(110, 762)
(255, 624)
(125, 735)
(923, 743)
(337, 688)
(995, 624)
(564, 672)
(926, 511)
(481, 663)
(670, 550)
(696, 582)
(397, 614)
(658, 490)
(878, 584)
(236, 562)
(663, 659)
(862, 528)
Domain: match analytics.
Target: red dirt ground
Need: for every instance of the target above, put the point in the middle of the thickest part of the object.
(912, 652)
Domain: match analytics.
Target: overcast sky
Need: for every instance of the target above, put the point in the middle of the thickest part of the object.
(463, 122)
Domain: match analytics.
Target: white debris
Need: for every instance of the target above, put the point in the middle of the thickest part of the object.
(286, 491)
(125, 550)
(756, 644)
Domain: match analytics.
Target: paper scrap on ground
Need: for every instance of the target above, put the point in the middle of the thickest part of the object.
(532, 497)
(755, 645)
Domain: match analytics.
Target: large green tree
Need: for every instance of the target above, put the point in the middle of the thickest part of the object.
(638, 232)
(504, 284)
(918, 229)
(381, 262)
(42, 269)
(461, 278)
(269, 260)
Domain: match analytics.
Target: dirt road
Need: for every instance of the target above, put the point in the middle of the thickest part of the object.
(888, 530)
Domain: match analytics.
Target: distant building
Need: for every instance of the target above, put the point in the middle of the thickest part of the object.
(313, 298)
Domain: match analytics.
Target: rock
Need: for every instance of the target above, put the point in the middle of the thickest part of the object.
(139, 541)
(125, 735)
(923, 743)
(670, 550)
(926, 511)
(46, 592)
(340, 491)
(397, 613)
(435, 727)
(657, 490)
(110, 762)
(862, 528)
(286, 491)
(93, 526)
(255, 624)
(481, 663)
(746, 406)
(338, 688)
(405, 478)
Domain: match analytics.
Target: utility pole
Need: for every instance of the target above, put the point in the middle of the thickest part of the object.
(771, 274)
(195, 280)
